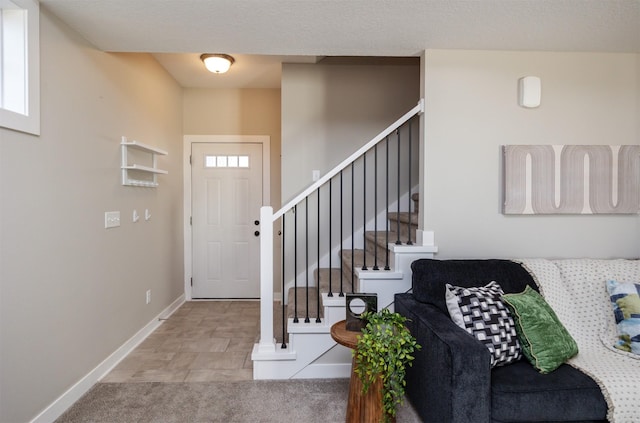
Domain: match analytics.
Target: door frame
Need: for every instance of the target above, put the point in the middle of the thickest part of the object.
(188, 140)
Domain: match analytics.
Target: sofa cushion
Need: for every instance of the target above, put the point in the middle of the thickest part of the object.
(519, 393)
(626, 310)
(544, 340)
(481, 312)
(431, 275)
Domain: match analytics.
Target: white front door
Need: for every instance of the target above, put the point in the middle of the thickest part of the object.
(226, 199)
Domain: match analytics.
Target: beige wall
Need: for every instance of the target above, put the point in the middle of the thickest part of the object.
(237, 112)
(329, 111)
(638, 129)
(72, 292)
(471, 110)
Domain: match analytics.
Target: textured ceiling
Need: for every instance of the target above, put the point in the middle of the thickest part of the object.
(350, 27)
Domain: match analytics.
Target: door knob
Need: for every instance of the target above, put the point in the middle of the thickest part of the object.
(257, 233)
(256, 222)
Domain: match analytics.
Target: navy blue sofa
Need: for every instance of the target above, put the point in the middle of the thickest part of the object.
(451, 379)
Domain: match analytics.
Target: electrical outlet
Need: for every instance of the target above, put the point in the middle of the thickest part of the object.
(148, 296)
(111, 219)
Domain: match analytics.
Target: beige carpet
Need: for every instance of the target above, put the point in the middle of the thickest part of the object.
(294, 401)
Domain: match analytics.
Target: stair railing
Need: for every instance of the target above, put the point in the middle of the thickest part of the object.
(322, 192)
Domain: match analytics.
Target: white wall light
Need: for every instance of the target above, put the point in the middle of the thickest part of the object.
(529, 92)
(20, 65)
(217, 63)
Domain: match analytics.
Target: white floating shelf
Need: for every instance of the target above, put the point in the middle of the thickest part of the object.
(142, 147)
(145, 169)
(126, 166)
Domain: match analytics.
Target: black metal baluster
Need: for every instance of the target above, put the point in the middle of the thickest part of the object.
(330, 294)
(306, 255)
(364, 211)
(353, 251)
(318, 264)
(409, 242)
(284, 344)
(341, 240)
(375, 208)
(398, 242)
(376, 259)
(295, 264)
(386, 205)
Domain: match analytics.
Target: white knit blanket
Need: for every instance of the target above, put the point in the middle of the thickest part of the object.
(576, 291)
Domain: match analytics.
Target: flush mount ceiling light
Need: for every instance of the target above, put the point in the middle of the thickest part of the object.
(217, 63)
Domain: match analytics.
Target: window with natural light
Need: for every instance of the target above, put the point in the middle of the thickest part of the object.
(226, 161)
(19, 65)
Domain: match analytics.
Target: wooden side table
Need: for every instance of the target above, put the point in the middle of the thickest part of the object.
(361, 408)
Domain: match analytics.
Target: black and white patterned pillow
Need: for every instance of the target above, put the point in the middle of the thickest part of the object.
(481, 312)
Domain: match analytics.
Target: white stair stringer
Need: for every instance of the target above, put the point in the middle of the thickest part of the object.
(384, 283)
(307, 342)
(311, 352)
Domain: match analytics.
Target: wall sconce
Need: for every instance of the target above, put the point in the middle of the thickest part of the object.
(529, 92)
(217, 63)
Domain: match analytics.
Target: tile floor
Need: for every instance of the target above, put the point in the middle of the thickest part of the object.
(201, 342)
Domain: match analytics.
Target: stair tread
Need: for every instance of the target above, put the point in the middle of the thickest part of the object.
(359, 259)
(381, 239)
(403, 217)
(335, 273)
(302, 303)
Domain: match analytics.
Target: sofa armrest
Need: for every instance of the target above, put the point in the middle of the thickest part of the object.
(450, 380)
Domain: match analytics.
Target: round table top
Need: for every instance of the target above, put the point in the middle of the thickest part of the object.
(345, 337)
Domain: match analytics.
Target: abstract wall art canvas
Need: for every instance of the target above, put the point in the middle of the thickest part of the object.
(571, 179)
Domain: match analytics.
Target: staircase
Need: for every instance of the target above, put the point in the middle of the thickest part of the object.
(337, 281)
(360, 240)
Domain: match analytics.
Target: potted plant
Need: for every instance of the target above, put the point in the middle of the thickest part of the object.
(384, 350)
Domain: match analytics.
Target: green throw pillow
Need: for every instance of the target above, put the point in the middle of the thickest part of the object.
(543, 339)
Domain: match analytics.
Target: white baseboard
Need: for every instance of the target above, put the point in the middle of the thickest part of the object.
(73, 394)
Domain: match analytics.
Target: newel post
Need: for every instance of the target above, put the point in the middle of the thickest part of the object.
(267, 341)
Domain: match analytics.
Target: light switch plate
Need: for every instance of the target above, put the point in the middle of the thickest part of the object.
(111, 219)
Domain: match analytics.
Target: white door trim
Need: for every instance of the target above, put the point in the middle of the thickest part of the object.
(265, 140)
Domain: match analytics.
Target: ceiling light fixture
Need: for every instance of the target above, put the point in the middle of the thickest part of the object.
(217, 63)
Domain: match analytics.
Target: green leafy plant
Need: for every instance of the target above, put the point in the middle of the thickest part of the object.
(384, 350)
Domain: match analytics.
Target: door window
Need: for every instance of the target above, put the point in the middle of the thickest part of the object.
(226, 161)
